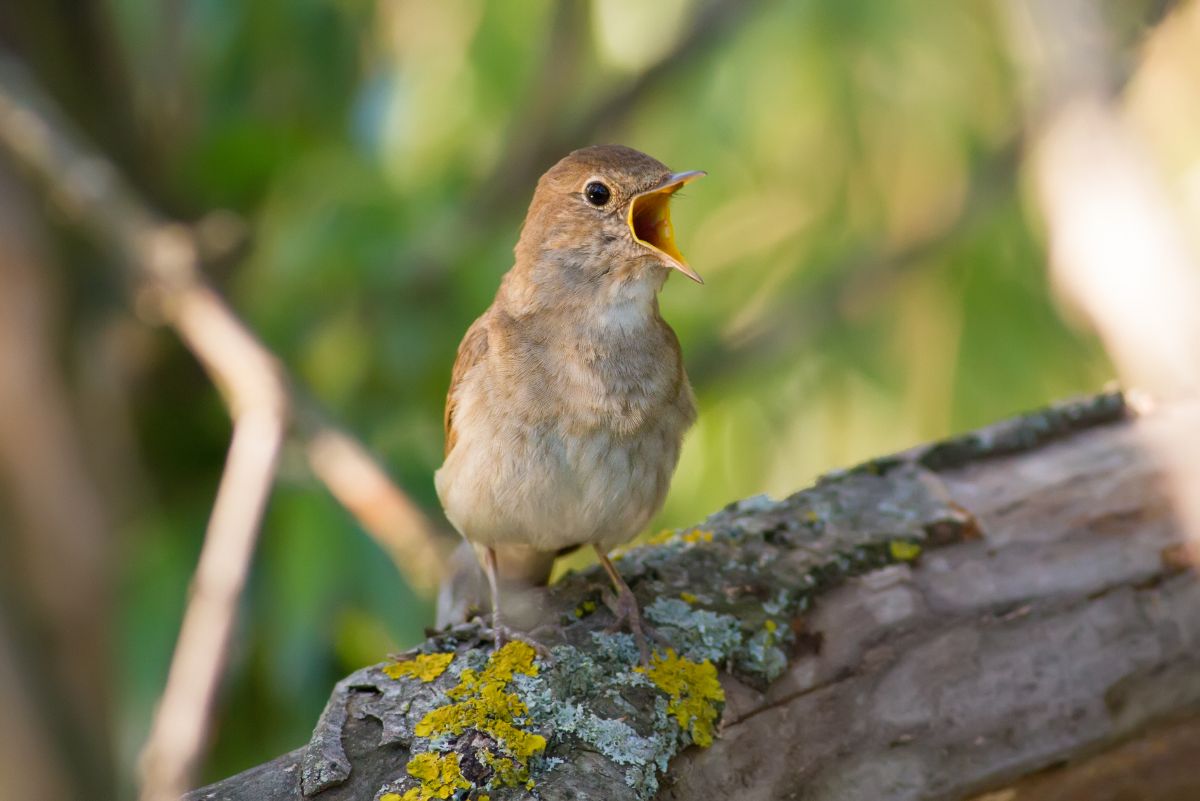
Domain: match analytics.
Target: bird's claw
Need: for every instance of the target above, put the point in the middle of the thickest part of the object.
(624, 607)
(501, 635)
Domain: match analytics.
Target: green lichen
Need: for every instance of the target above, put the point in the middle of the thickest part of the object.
(425, 667)
(694, 696)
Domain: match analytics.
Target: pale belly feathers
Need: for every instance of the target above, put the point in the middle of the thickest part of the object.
(530, 468)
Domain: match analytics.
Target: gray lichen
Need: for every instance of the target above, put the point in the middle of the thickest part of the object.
(584, 702)
(762, 654)
(698, 634)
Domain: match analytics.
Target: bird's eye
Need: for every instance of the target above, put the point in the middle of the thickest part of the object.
(597, 193)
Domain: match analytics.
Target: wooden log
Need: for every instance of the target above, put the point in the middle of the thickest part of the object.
(979, 616)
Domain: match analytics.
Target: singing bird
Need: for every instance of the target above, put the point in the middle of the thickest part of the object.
(568, 400)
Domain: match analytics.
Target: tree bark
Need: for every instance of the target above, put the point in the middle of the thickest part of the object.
(1007, 615)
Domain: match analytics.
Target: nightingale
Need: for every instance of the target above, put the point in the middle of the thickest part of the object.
(568, 401)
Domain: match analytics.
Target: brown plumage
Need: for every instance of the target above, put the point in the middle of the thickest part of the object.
(568, 401)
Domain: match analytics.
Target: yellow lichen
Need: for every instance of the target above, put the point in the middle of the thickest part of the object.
(391, 797)
(482, 702)
(687, 597)
(664, 537)
(506, 772)
(585, 609)
(771, 626)
(692, 690)
(903, 551)
(425, 667)
(440, 777)
(696, 535)
(660, 537)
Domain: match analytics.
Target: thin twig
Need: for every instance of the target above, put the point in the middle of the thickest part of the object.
(364, 489)
(164, 265)
(181, 722)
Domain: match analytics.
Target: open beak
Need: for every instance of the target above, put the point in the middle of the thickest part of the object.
(650, 221)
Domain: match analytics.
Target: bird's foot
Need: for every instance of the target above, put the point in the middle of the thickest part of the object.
(501, 635)
(624, 606)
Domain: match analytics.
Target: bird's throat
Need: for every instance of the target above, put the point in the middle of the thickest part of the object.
(628, 305)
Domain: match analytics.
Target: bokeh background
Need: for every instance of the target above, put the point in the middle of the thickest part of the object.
(875, 267)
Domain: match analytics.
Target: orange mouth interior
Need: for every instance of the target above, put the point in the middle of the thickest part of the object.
(650, 221)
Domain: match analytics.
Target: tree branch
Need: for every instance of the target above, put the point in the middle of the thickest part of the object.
(926, 626)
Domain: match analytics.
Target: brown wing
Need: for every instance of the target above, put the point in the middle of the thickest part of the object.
(470, 352)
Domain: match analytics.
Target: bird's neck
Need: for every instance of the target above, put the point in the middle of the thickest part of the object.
(623, 300)
(625, 307)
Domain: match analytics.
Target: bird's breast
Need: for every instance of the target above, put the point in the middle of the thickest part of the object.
(621, 382)
(566, 444)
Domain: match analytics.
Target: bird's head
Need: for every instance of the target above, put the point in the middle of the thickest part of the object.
(602, 215)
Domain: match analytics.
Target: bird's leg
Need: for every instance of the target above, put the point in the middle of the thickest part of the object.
(489, 567)
(625, 606)
(502, 634)
(493, 582)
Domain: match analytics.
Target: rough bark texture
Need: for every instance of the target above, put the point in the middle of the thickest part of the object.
(983, 616)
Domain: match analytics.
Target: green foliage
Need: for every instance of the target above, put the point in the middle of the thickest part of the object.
(872, 278)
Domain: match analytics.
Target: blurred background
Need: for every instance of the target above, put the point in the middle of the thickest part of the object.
(357, 171)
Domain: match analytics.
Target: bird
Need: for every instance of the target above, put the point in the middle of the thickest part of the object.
(568, 399)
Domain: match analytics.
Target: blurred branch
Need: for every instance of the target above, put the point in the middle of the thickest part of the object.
(1119, 251)
(164, 263)
(536, 143)
(58, 533)
(31, 762)
(181, 722)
